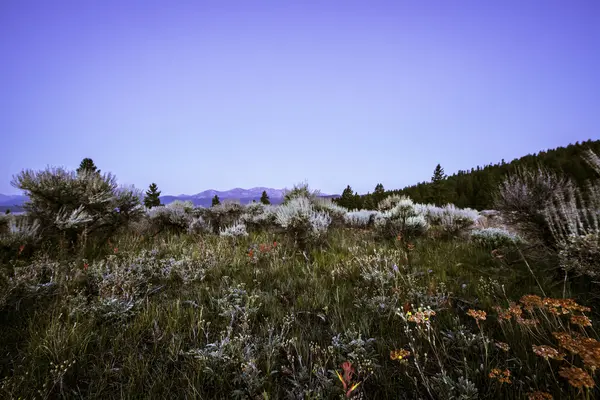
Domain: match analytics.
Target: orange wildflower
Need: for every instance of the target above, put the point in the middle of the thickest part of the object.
(548, 352)
(502, 346)
(538, 395)
(477, 315)
(581, 320)
(501, 376)
(577, 377)
(399, 354)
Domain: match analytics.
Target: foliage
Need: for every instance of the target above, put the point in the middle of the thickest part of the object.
(216, 201)
(87, 165)
(300, 190)
(152, 196)
(475, 188)
(302, 222)
(264, 198)
(69, 205)
(495, 237)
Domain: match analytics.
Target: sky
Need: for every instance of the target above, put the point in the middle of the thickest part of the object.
(197, 95)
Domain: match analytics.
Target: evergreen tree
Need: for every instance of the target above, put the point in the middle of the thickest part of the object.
(215, 201)
(378, 194)
(7, 211)
(87, 164)
(347, 199)
(437, 185)
(152, 196)
(369, 203)
(265, 198)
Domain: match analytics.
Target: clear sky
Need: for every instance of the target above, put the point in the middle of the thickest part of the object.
(197, 95)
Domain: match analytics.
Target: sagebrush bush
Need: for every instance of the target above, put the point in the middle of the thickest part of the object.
(581, 254)
(523, 196)
(302, 222)
(258, 216)
(449, 218)
(495, 237)
(67, 204)
(300, 190)
(238, 229)
(336, 212)
(223, 214)
(360, 218)
(174, 217)
(403, 220)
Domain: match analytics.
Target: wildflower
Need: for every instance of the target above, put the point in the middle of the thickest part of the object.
(563, 306)
(21, 248)
(501, 376)
(251, 253)
(85, 266)
(581, 320)
(548, 352)
(346, 379)
(420, 316)
(503, 314)
(477, 315)
(274, 244)
(566, 341)
(410, 246)
(577, 377)
(395, 268)
(399, 354)
(530, 301)
(116, 250)
(515, 310)
(496, 253)
(399, 237)
(502, 346)
(538, 395)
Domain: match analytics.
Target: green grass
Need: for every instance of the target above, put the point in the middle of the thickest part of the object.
(217, 323)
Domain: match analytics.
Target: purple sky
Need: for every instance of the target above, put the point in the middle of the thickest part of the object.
(221, 94)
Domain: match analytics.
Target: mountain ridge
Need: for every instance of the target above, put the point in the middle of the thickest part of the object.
(204, 198)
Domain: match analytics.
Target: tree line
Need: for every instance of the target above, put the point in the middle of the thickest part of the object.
(477, 188)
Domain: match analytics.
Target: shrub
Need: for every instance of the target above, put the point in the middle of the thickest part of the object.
(223, 214)
(390, 202)
(301, 190)
(494, 237)
(449, 218)
(336, 212)
(404, 220)
(238, 229)
(17, 234)
(302, 222)
(360, 218)
(524, 195)
(67, 204)
(258, 216)
(174, 217)
(580, 253)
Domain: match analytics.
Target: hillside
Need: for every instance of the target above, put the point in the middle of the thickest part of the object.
(475, 188)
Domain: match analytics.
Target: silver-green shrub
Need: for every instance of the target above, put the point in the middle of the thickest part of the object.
(495, 237)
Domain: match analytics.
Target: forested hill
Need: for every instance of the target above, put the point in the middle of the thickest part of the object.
(475, 188)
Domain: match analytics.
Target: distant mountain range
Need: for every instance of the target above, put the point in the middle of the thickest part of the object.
(244, 196)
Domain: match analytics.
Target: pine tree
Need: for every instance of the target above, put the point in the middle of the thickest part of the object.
(378, 194)
(437, 185)
(152, 196)
(265, 198)
(7, 211)
(347, 198)
(215, 201)
(87, 164)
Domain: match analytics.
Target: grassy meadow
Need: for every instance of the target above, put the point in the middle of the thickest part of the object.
(304, 300)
